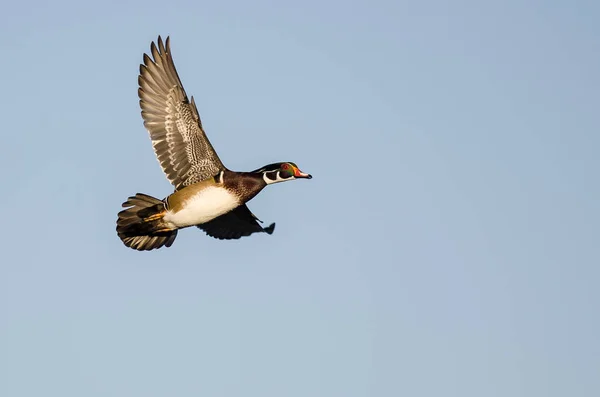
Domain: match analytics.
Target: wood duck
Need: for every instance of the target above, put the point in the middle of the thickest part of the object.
(207, 194)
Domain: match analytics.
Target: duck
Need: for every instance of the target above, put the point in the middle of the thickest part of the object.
(206, 194)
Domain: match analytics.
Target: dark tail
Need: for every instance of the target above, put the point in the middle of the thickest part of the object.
(140, 224)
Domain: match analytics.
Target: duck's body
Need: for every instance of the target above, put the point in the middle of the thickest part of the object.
(204, 201)
(207, 194)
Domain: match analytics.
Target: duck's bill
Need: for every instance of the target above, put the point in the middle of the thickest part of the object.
(300, 174)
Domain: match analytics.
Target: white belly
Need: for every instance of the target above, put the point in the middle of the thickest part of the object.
(206, 205)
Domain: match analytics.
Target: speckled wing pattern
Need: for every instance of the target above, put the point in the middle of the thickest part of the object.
(181, 146)
(235, 224)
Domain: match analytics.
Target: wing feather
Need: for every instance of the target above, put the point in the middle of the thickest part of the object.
(235, 224)
(180, 144)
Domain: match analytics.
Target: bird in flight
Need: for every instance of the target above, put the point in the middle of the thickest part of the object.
(207, 194)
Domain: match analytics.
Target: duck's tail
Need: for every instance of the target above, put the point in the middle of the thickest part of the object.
(140, 225)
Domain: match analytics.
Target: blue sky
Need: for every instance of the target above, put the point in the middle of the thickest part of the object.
(446, 246)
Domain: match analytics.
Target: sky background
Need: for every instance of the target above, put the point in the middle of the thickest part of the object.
(446, 246)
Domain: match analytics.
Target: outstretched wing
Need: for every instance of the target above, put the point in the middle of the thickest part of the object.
(183, 150)
(235, 224)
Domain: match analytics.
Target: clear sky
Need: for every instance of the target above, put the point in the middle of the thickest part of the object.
(446, 246)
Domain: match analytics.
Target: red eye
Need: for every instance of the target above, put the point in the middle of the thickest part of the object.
(285, 167)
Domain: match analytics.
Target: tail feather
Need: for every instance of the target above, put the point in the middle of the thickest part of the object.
(140, 225)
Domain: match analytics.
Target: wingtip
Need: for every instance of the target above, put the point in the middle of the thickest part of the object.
(270, 229)
(153, 50)
(161, 46)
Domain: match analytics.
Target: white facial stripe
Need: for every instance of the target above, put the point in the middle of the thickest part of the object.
(278, 178)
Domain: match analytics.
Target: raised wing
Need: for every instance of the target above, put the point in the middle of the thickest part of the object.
(181, 146)
(235, 224)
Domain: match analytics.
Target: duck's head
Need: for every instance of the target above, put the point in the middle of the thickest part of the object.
(281, 172)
